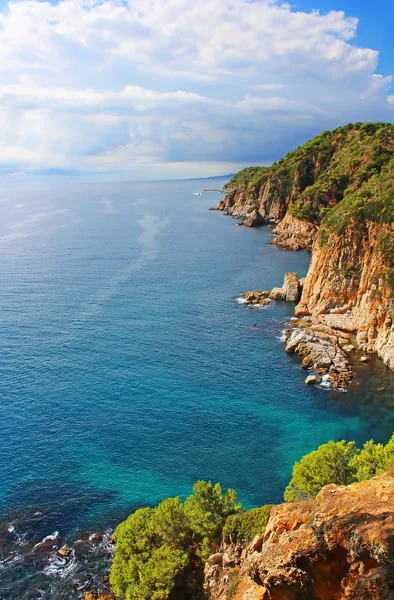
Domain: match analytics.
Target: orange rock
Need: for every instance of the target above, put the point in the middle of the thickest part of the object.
(92, 595)
(340, 548)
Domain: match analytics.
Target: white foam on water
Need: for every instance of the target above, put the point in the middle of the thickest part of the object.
(258, 306)
(21, 539)
(283, 335)
(326, 382)
(105, 544)
(240, 300)
(61, 567)
(10, 561)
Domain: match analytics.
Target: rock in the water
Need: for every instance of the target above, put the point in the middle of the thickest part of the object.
(312, 380)
(277, 294)
(64, 551)
(291, 287)
(256, 297)
(319, 347)
(290, 291)
(255, 219)
(348, 347)
(364, 359)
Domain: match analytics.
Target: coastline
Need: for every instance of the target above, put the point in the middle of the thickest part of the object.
(244, 329)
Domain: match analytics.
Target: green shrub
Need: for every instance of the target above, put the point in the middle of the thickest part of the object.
(369, 462)
(338, 462)
(328, 464)
(244, 526)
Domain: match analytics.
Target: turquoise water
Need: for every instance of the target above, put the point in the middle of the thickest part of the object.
(127, 368)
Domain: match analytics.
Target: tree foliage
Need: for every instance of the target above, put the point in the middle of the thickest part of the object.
(157, 549)
(245, 525)
(343, 165)
(328, 464)
(338, 462)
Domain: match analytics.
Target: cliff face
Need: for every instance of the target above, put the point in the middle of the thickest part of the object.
(299, 190)
(334, 196)
(347, 288)
(340, 547)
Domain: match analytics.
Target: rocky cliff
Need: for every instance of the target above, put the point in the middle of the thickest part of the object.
(335, 197)
(339, 547)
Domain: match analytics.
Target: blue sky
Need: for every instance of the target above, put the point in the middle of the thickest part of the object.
(153, 89)
(375, 28)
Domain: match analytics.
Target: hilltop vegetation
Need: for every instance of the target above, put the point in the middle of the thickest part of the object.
(326, 170)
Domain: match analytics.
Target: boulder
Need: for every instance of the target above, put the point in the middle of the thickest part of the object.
(64, 551)
(255, 219)
(277, 294)
(291, 287)
(312, 379)
(348, 348)
(290, 291)
(227, 561)
(256, 544)
(364, 359)
(216, 559)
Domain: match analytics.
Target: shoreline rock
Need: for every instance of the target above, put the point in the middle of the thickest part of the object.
(321, 349)
(337, 546)
(290, 292)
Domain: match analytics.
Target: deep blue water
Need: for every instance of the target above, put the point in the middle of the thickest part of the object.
(127, 368)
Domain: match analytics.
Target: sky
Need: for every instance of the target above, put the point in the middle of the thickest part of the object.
(161, 89)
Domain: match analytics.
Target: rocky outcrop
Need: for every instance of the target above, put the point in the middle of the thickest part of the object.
(256, 297)
(321, 349)
(294, 234)
(291, 287)
(290, 292)
(339, 547)
(254, 219)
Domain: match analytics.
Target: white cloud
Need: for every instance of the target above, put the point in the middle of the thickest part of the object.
(124, 86)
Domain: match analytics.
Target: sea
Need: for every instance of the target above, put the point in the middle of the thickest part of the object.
(129, 369)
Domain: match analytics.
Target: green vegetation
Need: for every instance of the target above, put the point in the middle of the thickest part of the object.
(372, 202)
(245, 525)
(327, 464)
(351, 164)
(338, 462)
(158, 550)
